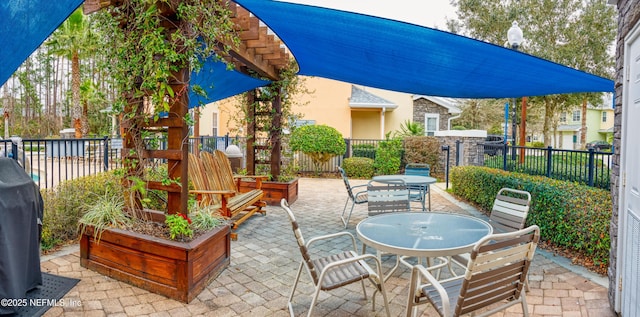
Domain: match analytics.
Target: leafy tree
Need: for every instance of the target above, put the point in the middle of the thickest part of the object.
(320, 142)
(480, 114)
(75, 40)
(576, 33)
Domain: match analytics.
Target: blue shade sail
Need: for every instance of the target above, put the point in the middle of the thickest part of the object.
(399, 56)
(344, 46)
(24, 25)
(220, 83)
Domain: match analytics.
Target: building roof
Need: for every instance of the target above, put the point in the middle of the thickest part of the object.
(361, 98)
(569, 127)
(450, 103)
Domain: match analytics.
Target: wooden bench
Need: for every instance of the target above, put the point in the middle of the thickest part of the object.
(214, 184)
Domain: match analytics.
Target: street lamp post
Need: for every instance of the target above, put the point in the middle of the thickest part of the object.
(515, 38)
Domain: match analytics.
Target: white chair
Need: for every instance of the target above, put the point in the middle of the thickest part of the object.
(496, 273)
(390, 196)
(335, 270)
(355, 194)
(508, 214)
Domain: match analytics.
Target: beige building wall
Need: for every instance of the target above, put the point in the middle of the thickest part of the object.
(366, 124)
(328, 103)
(396, 117)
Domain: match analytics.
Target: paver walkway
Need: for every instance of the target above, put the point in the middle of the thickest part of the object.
(265, 258)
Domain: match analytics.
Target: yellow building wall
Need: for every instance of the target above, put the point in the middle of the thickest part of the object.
(395, 118)
(328, 103)
(609, 123)
(366, 124)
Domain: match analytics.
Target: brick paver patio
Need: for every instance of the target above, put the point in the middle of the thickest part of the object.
(265, 259)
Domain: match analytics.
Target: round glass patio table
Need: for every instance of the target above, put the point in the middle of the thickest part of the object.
(415, 180)
(422, 234)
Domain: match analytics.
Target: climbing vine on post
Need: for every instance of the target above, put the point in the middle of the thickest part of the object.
(155, 45)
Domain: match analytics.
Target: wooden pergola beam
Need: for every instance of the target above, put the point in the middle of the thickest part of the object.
(259, 52)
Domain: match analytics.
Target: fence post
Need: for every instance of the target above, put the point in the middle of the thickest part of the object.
(591, 166)
(504, 156)
(347, 143)
(549, 151)
(105, 154)
(14, 151)
(458, 152)
(446, 167)
(226, 141)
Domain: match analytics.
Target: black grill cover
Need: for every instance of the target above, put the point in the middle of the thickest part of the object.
(21, 213)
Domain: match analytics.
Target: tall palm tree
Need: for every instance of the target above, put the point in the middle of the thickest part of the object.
(74, 40)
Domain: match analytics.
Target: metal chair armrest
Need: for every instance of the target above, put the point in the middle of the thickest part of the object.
(358, 258)
(358, 186)
(331, 236)
(420, 271)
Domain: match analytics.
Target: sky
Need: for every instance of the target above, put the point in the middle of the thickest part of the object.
(430, 13)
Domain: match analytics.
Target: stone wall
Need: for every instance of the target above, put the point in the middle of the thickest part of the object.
(465, 142)
(422, 106)
(628, 16)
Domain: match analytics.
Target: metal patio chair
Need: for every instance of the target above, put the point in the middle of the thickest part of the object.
(355, 194)
(508, 214)
(390, 196)
(334, 270)
(419, 193)
(496, 273)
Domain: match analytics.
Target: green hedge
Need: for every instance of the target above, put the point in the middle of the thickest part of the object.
(358, 167)
(570, 215)
(364, 150)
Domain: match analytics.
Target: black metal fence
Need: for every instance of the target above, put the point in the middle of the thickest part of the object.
(50, 161)
(587, 167)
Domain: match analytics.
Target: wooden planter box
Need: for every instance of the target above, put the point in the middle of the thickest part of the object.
(274, 191)
(179, 270)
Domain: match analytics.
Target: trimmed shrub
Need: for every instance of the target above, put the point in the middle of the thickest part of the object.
(358, 167)
(572, 216)
(388, 157)
(424, 149)
(320, 142)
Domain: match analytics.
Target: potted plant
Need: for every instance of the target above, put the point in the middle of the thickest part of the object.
(154, 46)
(172, 255)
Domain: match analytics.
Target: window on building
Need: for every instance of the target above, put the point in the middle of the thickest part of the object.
(604, 116)
(214, 124)
(563, 117)
(432, 122)
(299, 123)
(576, 115)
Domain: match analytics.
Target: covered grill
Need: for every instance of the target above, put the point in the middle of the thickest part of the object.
(21, 213)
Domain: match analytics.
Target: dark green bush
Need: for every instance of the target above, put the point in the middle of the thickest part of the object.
(320, 142)
(388, 157)
(358, 167)
(570, 215)
(364, 150)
